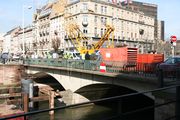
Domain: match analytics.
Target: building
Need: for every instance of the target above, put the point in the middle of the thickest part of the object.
(52, 21)
(57, 28)
(10, 44)
(150, 10)
(41, 23)
(160, 31)
(25, 38)
(1, 41)
(91, 16)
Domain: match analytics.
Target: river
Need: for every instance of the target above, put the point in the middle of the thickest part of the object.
(89, 112)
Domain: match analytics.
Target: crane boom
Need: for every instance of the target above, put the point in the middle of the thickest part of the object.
(104, 38)
(77, 37)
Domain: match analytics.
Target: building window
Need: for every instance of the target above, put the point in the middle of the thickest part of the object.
(105, 10)
(95, 8)
(85, 31)
(102, 20)
(76, 8)
(95, 31)
(101, 9)
(95, 19)
(131, 35)
(85, 18)
(85, 7)
(101, 32)
(105, 21)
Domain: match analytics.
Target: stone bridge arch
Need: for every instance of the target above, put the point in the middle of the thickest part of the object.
(65, 82)
(76, 79)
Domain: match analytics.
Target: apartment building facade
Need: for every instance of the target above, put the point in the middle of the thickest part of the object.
(41, 24)
(150, 10)
(91, 16)
(132, 28)
(1, 41)
(160, 31)
(25, 39)
(10, 45)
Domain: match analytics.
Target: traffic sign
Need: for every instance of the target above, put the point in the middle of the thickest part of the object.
(173, 38)
(174, 44)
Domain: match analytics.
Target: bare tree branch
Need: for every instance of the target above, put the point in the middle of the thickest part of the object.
(56, 43)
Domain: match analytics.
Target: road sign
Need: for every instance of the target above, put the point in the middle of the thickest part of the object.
(173, 38)
(174, 44)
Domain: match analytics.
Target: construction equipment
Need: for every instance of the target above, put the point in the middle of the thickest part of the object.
(81, 42)
(128, 59)
(119, 57)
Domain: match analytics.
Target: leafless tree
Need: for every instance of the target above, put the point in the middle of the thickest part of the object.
(26, 49)
(56, 43)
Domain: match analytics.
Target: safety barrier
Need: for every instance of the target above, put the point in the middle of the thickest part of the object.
(140, 69)
(117, 98)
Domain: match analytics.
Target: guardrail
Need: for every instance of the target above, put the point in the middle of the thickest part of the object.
(111, 66)
(175, 101)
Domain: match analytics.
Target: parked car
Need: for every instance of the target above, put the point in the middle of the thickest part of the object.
(169, 66)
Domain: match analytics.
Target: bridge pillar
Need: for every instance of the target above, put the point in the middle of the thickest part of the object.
(51, 102)
(160, 79)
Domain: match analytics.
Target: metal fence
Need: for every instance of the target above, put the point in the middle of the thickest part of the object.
(130, 67)
(93, 65)
(175, 101)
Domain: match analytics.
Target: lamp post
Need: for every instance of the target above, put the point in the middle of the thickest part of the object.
(141, 32)
(23, 42)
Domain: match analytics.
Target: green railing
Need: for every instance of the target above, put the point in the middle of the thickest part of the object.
(93, 65)
(76, 64)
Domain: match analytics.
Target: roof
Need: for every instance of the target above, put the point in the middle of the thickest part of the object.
(58, 8)
(12, 30)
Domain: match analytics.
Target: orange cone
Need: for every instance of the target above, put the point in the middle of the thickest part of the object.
(102, 67)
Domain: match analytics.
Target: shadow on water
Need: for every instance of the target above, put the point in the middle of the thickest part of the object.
(89, 112)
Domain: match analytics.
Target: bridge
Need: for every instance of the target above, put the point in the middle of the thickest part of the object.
(74, 75)
(79, 77)
(81, 81)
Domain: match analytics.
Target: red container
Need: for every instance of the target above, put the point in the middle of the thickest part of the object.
(150, 58)
(148, 62)
(119, 54)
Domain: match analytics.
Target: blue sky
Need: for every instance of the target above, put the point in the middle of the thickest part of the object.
(11, 14)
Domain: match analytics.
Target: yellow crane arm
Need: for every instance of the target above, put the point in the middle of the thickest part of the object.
(104, 38)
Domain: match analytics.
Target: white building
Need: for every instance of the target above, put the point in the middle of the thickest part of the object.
(91, 16)
(10, 44)
(1, 41)
(25, 39)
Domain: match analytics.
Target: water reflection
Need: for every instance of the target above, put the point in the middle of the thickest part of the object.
(89, 112)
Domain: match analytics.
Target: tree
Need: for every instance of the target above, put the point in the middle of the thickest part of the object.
(56, 42)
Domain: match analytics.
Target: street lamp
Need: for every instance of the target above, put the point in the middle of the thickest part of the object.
(141, 32)
(23, 42)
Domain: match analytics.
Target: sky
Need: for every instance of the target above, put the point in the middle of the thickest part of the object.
(11, 14)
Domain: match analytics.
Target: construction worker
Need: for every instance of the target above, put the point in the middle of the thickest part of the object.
(65, 56)
(87, 56)
(83, 56)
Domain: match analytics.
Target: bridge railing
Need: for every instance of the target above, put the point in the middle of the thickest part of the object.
(144, 69)
(77, 64)
(170, 102)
